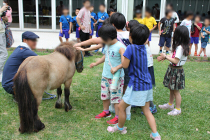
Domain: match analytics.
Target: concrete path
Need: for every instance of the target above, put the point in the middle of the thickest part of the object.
(49, 40)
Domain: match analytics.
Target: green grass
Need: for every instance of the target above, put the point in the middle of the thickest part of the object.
(79, 123)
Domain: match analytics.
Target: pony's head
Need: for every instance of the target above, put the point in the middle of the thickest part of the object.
(70, 52)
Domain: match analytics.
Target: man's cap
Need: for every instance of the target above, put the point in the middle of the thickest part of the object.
(138, 11)
(29, 35)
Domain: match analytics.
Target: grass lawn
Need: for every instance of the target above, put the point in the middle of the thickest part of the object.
(79, 123)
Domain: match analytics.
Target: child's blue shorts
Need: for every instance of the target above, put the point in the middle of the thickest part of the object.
(92, 32)
(194, 40)
(137, 98)
(66, 33)
(204, 44)
(77, 32)
(150, 36)
(99, 26)
(163, 40)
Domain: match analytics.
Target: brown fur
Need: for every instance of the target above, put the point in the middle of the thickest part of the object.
(39, 73)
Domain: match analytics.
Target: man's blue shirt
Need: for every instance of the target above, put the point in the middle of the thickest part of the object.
(13, 63)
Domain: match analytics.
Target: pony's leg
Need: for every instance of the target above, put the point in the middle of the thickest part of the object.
(58, 103)
(38, 125)
(67, 94)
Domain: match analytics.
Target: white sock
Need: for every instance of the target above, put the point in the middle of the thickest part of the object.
(128, 110)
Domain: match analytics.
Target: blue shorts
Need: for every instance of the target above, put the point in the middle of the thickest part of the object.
(150, 36)
(194, 40)
(77, 32)
(163, 40)
(66, 33)
(137, 98)
(92, 32)
(204, 44)
(99, 26)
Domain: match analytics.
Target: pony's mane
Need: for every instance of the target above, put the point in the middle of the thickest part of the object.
(67, 49)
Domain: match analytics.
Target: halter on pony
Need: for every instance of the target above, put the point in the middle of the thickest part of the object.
(81, 61)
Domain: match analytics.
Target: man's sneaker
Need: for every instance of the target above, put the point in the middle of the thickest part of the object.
(103, 115)
(113, 121)
(174, 112)
(112, 110)
(166, 106)
(152, 109)
(155, 138)
(128, 117)
(115, 129)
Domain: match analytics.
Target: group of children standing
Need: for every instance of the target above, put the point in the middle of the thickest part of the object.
(66, 22)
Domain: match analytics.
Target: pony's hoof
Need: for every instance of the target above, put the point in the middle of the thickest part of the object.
(58, 105)
(42, 126)
(67, 107)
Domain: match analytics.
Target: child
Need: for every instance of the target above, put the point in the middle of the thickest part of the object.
(130, 24)
(139, 16)
(101, 16)
(195, 35)
(139, 91)
(112, 63)
(187, 22)
(166, 30)
(93, 19)
(175, 78)
(150, 22)
(77, 26)
(65, 25)
(205, 36)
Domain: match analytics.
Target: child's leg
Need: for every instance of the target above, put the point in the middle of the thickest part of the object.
(196, 48)
(60, 38)
(204, 51)
(150, 117)
(200, 51)
(106, 104)
(190, 47)
(122, 114)
(78, 40)
(171, 99)
(67, 39)
(178, 98)
(91, 37)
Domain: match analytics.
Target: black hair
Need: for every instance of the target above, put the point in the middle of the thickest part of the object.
(6, 1)
(148, 10)
(107, 32)
(77, 9)
(139, 34)
(198, 16)
(132, 23)
(110, 10)
(65, 8)
(118, 19)
(207, 18)
(181, 37)
(189, 13)
(167, 12)
(84, 1)
(106, 21)
(171, 5)
(102, 4)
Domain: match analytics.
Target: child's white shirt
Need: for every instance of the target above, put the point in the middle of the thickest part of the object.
(149, 57)
(188, 24)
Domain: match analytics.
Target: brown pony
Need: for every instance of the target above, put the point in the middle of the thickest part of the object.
(39, 73)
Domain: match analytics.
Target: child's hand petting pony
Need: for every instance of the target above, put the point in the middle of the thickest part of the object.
(80, 49)
(162, 57)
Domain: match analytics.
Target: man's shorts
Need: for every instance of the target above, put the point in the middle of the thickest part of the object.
(194, 40)
(204, 44)
(106, 93)
(66, 33)
(163, 40)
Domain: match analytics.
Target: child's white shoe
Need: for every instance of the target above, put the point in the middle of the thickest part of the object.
(166, 106)
(175, 112)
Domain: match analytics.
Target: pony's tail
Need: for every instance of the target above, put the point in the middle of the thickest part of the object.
(26, 102)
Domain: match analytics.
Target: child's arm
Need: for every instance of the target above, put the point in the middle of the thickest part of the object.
(61, 27)
(199, 28)
(202, 35)
(91, 48)
(98, 62)
(174, 27)
(159, 28)
(70, 27)
(208, 32)
(89, 42)
(153, 28)
(115, 69)
(172, 60)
